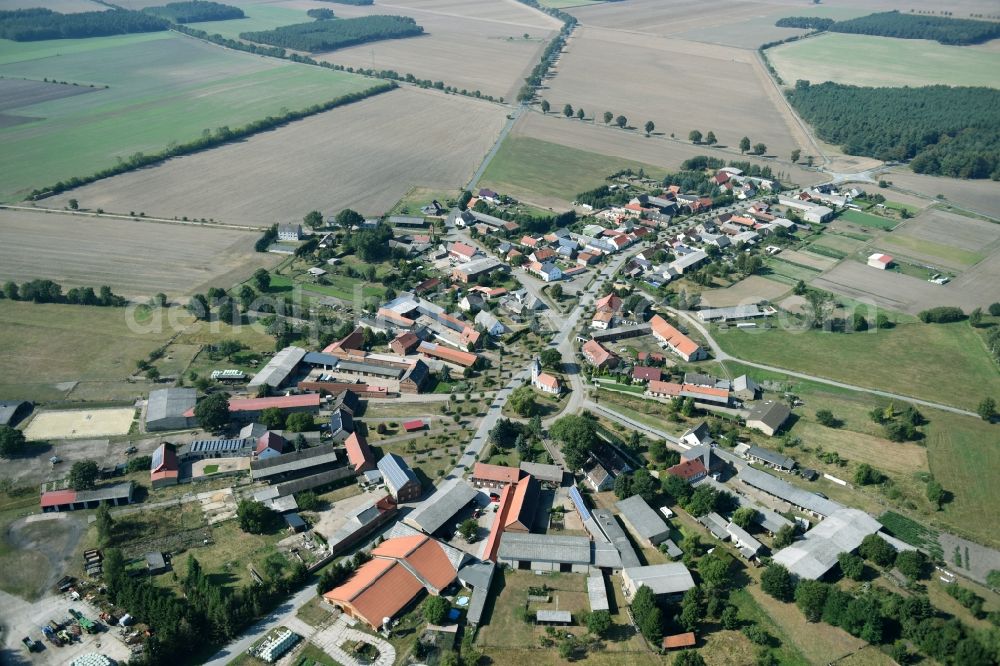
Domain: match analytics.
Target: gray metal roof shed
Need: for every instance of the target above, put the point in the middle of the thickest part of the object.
(616, 535)
(597, 593)
(437, 510)
(841, 532)
(772, 485)
(557, 616)
(641, 518)
(671, 578)
(166, 408)
(526, 547)
(277, 370)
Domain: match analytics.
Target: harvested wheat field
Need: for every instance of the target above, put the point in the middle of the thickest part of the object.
(904, 293)
(61, 6)
(678, 84)
(753, 289)
(981, 196)
(365, 156)
(134, 258)
(634, 145)
(470, 44)
(77, 423)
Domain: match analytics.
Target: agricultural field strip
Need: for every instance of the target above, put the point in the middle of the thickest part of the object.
(160, 90)
(364, 156)
(135, 258)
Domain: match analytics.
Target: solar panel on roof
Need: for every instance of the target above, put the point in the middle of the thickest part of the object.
(157, 458)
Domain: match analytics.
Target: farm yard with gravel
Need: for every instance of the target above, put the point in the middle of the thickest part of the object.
(134, 258)
(487, 37)
(365, 156)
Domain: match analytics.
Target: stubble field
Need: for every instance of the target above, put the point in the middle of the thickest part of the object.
(365, 156)
(137, 259)
(471, 44)
(150, 89)
(62, 6)
(678, 84)
(864, 60)
(981, 196)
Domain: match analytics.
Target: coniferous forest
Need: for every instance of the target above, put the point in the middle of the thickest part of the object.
(31, 25)
(944, 131)
(914, 26)
(195, 11)
(336, 34)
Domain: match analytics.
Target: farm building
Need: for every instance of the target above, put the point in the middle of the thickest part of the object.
(171, 409)
(13, 412)
(880, 261)
(661, 389)
(250, 409)
(554, 617)
(216, 448)
(494, 476)
(642, 520)
(470, 271)
(477, 576)
(400, 481)
(400, 569)
(289, 232)
(665, 580)
(735, 313)
(547, 474)
(457, 357)
(359, 454)
(807, 501)
(597, 593)
(745, 388)
(689, 470)
(341, 424)
(680, 344)
(840, 532)
(599, 478)
(163, 468)
(597, 355)
(615, 535)
(361, 523)
(404, 343)
(770, 458)
(747, 545)
(155, 564)
(269, 445)
(119, 494)
(678, 641)
(715, 524)
(436, 512)
(768, 416)
(278, 370)
(296, 464)
(545, 552)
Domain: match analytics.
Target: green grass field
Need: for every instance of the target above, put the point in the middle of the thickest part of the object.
(869, 221)
(786, 271)
(162, 88)
(945, 363)
(836, 242)
(883, 61)
(258, 17)
(530, 166)
(932, 249)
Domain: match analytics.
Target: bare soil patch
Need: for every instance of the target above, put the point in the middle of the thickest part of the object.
(79, 423)
(134, 258)
(981, 196)
(904, 293)
(679, 85)
(471, 44)
(41, 550)
(750, 290)
(17, 93)
(364, 156)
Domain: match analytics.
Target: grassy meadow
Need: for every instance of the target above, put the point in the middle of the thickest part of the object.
(865, 60)
(524, 166)
(941, 362)
(149, 90)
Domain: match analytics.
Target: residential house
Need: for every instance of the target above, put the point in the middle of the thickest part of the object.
(289, 232)
(461, 252)
(660, 389)
(642, 373)
(598, 356)
(689, 470)
(546, 272)
(270, 445)
(490, 323)
(400, 481)
(359, 454)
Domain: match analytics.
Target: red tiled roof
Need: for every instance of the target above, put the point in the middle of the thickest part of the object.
(462, 249)
(595, 353)
(359, 454)
(498, 473)
(667, 388)
(405, 342)
(415, 424)
(688, 469)
(496, 530)
(610, 303)
(522, 505)
(529, 241)
(646, 374)
(457, 356)
(271, 440)
(682, 343)
(58, 497)
(543, 254)
(679, 640)
(281, 402)
(378, 589)
(706, 390)
(545, 379)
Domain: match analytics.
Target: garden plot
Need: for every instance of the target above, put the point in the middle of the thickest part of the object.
(80, 423)
(364, 156)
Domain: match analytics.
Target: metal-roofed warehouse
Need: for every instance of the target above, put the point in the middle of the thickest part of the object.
(841, 532)
(803, 499)
(552, 474)
(294, 463)
(277, 371)
(166, 409)
(641, 519)
(438, 509)
(545, 552)
(616, 535)
(663, 579)
(13, 412)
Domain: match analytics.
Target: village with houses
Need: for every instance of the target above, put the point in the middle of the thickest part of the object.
(527, 441)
